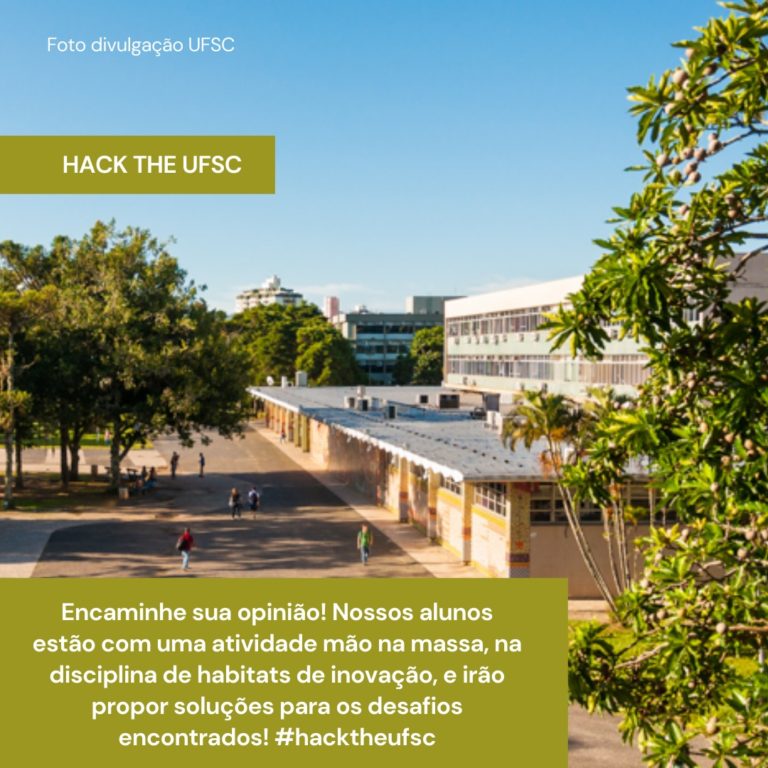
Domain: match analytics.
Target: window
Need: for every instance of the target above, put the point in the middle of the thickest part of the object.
(547, 507)
(450, 485)
(492, 496)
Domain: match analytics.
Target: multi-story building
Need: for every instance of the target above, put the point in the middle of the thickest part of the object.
(493, 342)
(379, 338)
(270, 292)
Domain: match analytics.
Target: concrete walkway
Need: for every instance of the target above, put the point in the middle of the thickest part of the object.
(436, 559)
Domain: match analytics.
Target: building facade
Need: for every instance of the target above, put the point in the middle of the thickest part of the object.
(331, 307)
(445, 473)
(271, 292)
(379, 338)
(493, 341)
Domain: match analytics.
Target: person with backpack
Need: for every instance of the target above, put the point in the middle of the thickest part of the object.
(235, 505)
(184, 545)
(364, 542)
(253, 499)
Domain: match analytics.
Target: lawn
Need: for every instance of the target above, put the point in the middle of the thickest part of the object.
(42, 492)
(89, 440)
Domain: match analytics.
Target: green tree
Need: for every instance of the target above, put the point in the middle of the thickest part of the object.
(424, 362)
(61, 380)
(281, 340)
(21, 304)
(427, 354)
(163, 362)
(699, 615)
(269, 335)
(326, 355)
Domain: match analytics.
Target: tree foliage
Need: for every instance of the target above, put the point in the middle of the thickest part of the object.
(281, 340)
(424, 362)
(125, 343)
(699, 614)
(325, 355)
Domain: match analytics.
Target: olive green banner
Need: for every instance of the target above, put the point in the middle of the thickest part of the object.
(115, 165)
(199, 672)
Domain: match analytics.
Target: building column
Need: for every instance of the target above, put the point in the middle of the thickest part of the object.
(305, 433)
(519, 538)
(404, 476)
(433, 484)
(467, 497)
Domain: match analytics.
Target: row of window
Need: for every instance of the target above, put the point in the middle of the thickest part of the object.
(492, 496)
(509, 321)
(382, 329)
(507, 366)
(546, 502)
(515, 321)
(613, 370)
(450, 485)
(380, 348)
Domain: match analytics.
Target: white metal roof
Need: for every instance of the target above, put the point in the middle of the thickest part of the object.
(537, 295)
(448, 442)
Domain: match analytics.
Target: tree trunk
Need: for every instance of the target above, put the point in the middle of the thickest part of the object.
(10, 428)
(583, 546)
(19, 465)
(74, 459)
(63, 455)
(8, 494)
(74, 451)
(114, 458)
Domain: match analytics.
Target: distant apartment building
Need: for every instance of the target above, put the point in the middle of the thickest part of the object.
(271, 292)
(379, 338)
(331, 306)
(493, 341)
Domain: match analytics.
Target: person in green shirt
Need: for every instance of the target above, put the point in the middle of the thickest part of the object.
(364, 542)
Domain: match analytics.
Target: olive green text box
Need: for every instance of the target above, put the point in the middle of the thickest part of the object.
(177, 165)
(438, 699)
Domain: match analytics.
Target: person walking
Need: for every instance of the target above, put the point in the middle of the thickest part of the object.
(201, 462)
(235, 506)
(174, 463)
(253, 499)
(184, 545)
(364, 542)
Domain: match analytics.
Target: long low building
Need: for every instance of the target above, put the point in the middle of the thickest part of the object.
(427, 458)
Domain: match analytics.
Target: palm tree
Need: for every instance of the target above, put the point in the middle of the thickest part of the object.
(565, 428)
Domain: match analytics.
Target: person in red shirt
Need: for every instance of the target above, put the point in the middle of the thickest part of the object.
(184, 545)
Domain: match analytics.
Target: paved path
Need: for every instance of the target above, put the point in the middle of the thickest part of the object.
(303, 528)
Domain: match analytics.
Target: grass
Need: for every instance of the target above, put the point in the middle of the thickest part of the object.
(43, 492)
(89, 440)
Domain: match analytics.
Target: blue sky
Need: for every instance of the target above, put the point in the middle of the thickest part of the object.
(422, 147)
